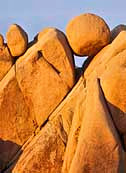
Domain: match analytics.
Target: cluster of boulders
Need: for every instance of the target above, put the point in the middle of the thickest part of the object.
(54, 117)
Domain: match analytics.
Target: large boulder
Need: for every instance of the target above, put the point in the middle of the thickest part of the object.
(17, 40)
(113, 82)
(16, 122)
(46, 74)
(87, 34)
(99, 148)
(109, 66)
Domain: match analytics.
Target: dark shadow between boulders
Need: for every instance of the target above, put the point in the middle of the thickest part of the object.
(8, 150)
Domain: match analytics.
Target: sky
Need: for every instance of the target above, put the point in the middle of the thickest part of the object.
(34, 15)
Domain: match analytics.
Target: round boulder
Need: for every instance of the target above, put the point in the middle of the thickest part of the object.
(87, 34)
(17, 40)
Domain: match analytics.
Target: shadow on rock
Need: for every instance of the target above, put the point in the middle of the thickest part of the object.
(9, 154)
(118, 117)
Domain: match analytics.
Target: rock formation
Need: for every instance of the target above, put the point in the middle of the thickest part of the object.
(55, 118)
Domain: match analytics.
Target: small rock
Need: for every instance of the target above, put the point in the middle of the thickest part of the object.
(17, 40)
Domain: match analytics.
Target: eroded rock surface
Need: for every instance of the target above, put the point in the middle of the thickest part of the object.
(46, 74)
(109, 65)
(16, 123)
(48, 146)
(99, 148)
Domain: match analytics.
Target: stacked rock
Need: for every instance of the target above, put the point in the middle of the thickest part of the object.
(53, 120)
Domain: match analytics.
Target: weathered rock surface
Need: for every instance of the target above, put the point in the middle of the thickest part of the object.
(16, 124)
(99, 149)
(46, 74)
(75, 129)
(44, 154)
(17, 40)
(113, 82)
(48, 146)
(87, 34)
(68, 107)
(109, 65)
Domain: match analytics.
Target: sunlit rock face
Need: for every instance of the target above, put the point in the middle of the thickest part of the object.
(87, 34)
(56, 116)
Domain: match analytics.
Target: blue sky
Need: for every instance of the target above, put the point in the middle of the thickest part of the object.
(33, 15)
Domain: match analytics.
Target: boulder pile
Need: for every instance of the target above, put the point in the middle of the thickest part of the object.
(54, 117)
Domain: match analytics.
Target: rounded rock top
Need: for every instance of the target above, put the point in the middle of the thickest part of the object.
(87, 34)
(17, 40)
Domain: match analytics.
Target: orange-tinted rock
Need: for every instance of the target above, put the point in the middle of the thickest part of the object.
(75, 128)
(16, 123)
(96, 62)
(99, 148)
(115, 32)
(109, 65)
(78, 131)
(56, 129)
(17, 40)
(68, 107)
(43, 32)
(101, 60)
(6, 60)
(1, 40)
(46, 74)
(87, 34)
(113, 82)
(45, 152)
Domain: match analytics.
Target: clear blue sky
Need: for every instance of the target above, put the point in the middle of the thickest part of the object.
(33, 15)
